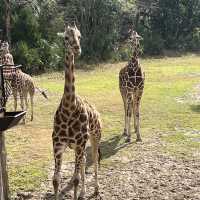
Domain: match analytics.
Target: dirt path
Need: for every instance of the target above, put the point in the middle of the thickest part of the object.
(148, 175)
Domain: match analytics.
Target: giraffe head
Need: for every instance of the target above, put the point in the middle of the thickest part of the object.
(4, 47)
(135, 39)
(72, 38)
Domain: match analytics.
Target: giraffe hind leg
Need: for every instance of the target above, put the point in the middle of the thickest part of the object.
(22, 105)
(94, 140)
(125, 113)
(15, 99)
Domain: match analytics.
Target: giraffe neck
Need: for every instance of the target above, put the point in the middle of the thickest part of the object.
(69, 89)
(134, 59)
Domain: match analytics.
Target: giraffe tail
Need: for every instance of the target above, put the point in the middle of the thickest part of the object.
(42, 92)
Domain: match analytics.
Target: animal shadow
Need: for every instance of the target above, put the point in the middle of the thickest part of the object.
(108, 148)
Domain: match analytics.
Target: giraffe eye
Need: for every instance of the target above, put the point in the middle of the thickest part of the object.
(66, 37)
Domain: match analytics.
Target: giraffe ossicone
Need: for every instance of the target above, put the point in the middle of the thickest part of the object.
(75, 122)
(131, 85)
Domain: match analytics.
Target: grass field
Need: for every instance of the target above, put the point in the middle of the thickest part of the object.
(29, 146)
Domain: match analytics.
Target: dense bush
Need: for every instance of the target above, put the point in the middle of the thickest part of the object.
(104, 24)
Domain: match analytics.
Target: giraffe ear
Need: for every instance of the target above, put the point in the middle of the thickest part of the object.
(74, 24)
(67, 25)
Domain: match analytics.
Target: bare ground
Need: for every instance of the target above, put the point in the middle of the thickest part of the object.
(148, 174)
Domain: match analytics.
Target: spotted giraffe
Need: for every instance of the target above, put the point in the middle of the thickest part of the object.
(20, 82)
(75, 122)
(5, 56)
(131, 85)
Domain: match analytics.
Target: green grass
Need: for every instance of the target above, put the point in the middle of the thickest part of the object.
(29, 147)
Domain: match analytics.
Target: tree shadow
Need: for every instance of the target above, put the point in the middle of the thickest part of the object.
(195, 108)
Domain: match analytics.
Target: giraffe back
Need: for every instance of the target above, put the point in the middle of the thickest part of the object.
(23, 82)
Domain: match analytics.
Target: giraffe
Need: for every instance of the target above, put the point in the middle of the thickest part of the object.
(131, 85)
(5, 55)
(20, 82)
(75, 122)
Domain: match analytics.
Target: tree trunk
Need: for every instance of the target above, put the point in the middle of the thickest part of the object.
(7, 20)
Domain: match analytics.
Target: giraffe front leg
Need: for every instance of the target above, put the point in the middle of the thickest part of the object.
(58, 154)
(83, 187)
(137, 121)
(125, 110)
(129, 115)
(76, 177)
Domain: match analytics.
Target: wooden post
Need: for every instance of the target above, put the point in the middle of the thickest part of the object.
(7, 20)
(3, 169)
(4, 191)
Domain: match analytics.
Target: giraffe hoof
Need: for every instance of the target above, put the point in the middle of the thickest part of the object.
(96, 191)
(138, 140)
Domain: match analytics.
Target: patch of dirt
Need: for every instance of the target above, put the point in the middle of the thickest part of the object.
(148, 175)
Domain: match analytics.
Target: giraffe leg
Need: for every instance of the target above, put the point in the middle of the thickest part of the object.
(125, 114)
(137, 120)
(83, 187)
(26, 100)
(15, 99)
(129, 115)
(95, 156)
(31, 98)
(78, 163)
(22, 104)
(58, 154)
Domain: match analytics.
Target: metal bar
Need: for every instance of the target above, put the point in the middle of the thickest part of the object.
(11, 66)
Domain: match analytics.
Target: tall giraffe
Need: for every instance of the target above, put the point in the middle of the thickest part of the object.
(131, 85)
(20, 82)
(75, 122)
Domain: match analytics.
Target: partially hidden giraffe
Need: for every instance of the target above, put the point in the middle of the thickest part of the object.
(131, 85)
(20, 82)
(75, 122)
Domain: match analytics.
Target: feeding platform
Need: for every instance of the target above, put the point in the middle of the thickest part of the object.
(10, 119)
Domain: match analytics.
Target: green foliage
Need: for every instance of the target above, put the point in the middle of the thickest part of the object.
(104, 24)
(174, 22)
(98, 23)
(28, 57)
